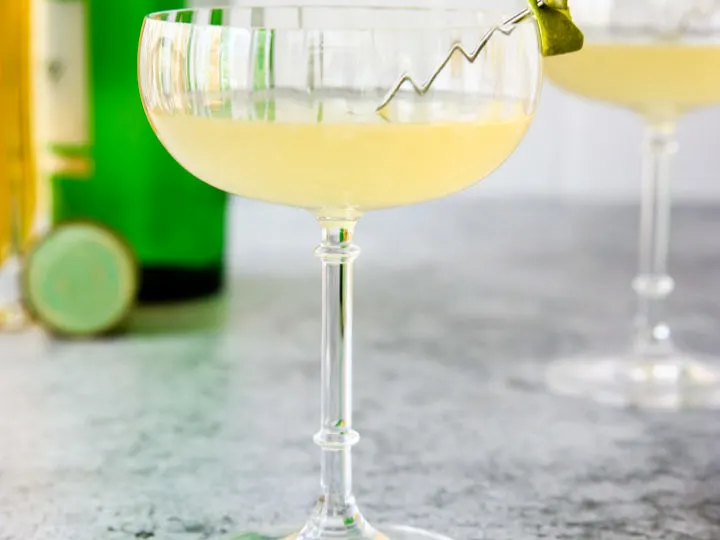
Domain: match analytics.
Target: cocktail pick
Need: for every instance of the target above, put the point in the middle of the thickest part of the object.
(558, 35)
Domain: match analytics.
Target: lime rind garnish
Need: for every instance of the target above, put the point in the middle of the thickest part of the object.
(558, 33)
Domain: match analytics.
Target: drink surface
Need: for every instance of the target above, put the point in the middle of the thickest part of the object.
(659, 80)
(18, 190)
(344, 165)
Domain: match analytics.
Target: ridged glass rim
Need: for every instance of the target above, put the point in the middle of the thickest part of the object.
(480, 19)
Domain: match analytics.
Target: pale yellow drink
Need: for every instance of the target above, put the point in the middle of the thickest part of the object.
(661, 81)
(339, 169)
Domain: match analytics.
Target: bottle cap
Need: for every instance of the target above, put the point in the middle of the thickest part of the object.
(80, 280)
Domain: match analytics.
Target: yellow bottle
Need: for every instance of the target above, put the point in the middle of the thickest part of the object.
(18, 188)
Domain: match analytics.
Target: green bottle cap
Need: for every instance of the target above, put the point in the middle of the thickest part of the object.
(80, 280)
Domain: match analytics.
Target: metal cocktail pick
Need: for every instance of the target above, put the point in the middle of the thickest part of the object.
(506, 27)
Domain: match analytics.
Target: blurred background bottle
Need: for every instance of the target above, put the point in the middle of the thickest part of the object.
(18, 181)
(104, 162)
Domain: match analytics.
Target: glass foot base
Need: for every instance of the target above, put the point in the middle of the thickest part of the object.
(13, 317)
(673, 381)
(388, 532)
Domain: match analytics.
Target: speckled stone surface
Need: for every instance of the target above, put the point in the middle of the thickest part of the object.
(192, 434)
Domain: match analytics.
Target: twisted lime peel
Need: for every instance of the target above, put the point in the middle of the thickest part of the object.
(558, 33)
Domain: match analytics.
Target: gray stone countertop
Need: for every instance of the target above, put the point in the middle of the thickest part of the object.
(199, 422)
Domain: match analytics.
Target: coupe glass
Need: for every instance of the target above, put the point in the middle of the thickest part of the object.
(279, 104)
(659, 59)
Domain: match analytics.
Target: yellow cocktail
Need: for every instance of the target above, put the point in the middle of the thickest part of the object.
(658, 80)
(343, 167)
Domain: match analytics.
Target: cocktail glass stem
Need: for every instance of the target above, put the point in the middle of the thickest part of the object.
(653, 285)
(12, 313)
(13, 316)
(336, 514)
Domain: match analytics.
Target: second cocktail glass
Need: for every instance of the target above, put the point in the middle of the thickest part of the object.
(659, 59)
(279, 104)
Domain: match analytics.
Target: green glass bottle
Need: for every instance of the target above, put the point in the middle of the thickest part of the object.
(106, 163)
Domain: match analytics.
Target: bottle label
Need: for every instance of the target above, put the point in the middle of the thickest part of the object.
(64, 87)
